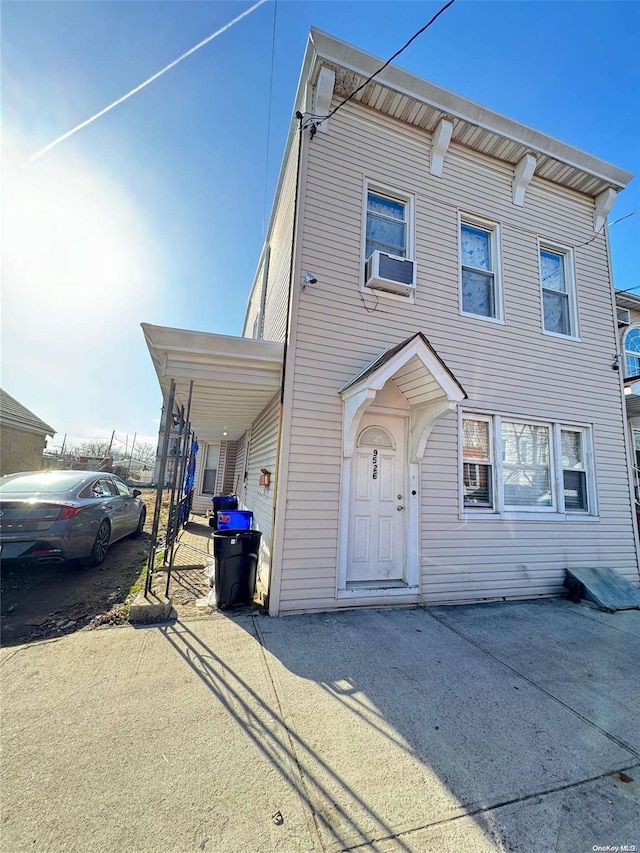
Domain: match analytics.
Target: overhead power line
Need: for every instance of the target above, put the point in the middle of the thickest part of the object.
(268, 133)
(622, 218)
(382, 67)
(142, 85)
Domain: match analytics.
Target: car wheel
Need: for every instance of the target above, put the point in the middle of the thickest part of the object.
(141, 521)
(100, 545)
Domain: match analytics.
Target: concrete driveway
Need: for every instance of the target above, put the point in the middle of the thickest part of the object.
(501, 727)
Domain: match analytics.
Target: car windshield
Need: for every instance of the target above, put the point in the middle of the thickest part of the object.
(41, 481)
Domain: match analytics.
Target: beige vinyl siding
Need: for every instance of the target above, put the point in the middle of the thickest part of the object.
(229, 468)
(202, 503)
(280, 240)
(222, 465)
(252, 319)
(238, 486)
(262, 454)
(510, 369)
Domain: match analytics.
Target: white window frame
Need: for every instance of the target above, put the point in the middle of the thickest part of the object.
(406, 198)
(625, 371)
(570, 284)
(467, 416)
(557, 510)
(493, 229)
(209, 444)
(589, 469)
(553, 478)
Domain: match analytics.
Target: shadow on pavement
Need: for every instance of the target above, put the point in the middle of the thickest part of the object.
(392, 723)
(266, 727)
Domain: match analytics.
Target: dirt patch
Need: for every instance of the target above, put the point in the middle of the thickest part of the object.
(50, 600)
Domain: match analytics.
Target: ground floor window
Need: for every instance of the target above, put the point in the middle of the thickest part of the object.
(210, 473)
(520, 466)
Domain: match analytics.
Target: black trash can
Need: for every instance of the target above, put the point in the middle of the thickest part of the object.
(222, 503)
(236, 554)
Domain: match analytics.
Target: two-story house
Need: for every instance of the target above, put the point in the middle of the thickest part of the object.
(424, 406)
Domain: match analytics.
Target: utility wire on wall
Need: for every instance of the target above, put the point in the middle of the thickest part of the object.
(315, 124)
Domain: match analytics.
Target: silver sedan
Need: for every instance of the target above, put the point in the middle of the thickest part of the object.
(51, 516)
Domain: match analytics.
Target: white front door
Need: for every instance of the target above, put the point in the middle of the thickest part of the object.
(377, 518)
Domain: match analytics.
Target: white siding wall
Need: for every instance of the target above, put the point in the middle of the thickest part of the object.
(262, 454)
(229, 468)
(510, 369)
(239, 468)
(280, 240)
(252, 320)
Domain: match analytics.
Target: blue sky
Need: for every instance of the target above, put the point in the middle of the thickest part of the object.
(155, 213)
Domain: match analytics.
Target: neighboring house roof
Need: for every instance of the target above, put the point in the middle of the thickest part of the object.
(628, 300)
(16, 416)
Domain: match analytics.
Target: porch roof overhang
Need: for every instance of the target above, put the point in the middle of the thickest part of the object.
(233, 378)
(426, 382)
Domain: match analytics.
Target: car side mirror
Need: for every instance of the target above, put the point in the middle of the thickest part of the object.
(136, 492)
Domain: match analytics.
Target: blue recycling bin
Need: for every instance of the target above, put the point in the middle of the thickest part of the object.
(234, 519)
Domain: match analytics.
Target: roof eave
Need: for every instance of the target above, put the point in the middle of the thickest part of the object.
(334, 51)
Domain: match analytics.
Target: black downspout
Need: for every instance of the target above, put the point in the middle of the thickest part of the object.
(299, 117)
(292, 262)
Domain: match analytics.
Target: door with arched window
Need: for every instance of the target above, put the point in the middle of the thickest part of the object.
(377, 523)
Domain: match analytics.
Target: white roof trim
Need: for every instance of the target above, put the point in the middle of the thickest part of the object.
(360, 393)
(333, 50)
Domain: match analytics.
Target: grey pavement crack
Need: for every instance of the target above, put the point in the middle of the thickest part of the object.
(486, 809)
(534, 684)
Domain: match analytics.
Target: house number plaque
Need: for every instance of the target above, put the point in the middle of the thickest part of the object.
(374, 462)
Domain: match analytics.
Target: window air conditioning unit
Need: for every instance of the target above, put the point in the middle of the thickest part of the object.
(390, 273)
(624, 316)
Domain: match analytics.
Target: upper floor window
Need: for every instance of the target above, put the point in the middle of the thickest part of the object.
(632, 352)
(388, 265)
(479, 268)
(387, 225)
(559, 315)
